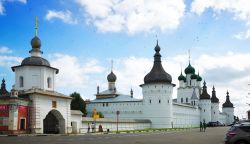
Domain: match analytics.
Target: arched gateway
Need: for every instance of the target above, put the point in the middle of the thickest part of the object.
(54, 123)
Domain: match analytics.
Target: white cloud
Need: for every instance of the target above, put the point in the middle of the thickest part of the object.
(242, 35)
(1, 8)
(134, 16)
(74, 75)
(2, 2)
(8, 61)
(4, 50)
(22, 1)
(65, 16)
(239, 8)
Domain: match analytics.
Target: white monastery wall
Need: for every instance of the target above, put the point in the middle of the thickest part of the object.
(128, 110)
(185, 116)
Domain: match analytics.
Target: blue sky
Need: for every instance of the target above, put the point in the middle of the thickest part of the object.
(81, 37)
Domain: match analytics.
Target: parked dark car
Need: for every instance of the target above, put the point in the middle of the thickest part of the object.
(238, 134)
(214, 124)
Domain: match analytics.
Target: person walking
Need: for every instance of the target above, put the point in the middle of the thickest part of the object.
(93, 127)
(100, 128)
(88, 128)
(201, 127)
(204, 126)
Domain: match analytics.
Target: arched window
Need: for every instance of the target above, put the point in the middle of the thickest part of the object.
(181, 100)
(21, 81)
(49, 82)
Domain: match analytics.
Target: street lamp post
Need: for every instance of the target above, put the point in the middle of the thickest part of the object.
(117, 118)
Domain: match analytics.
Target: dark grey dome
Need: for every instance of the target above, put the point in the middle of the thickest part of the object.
(157, 73)
(35, 61)
(36, 42)
(214, 99)
(204, 94)
(111, 77)
(228, 102)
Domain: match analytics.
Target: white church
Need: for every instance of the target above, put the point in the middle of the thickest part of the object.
(34, 106)
(192, 106)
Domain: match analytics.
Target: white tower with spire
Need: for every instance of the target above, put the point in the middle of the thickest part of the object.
(35, 78)
(214, 107)
(205, 105)
(35, 71)
(157, 94)
(228, 109)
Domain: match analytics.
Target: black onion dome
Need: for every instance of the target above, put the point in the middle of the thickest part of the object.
(181, 77)
(204, 94)
(3, 91)
(228, 103)
(111, 77)
(35, 61)
(189, 69)
(193, 76)
(214, 99)
(157, 73)
(36, 42)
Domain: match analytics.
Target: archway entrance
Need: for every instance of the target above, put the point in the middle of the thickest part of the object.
(54, 123)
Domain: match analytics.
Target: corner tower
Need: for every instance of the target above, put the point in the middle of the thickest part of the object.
(228, 109)
(214, 107)
(205, 105)
(157, 94)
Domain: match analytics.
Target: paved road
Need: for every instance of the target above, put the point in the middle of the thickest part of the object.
(211, 136)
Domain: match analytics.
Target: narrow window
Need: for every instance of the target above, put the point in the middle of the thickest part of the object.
(49, 82)
(181, 100)
(186, 100)
(107, 104)
(159, 101)
(21, 81)
(53, 104)
(214, 113)
(103, 105)
(194, 102)
(150, 101)
(204, 110)
(168, 101)
(190, 82)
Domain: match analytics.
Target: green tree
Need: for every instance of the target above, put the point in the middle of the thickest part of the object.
(78, 103)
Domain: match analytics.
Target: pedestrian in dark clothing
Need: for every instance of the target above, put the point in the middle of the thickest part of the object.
(204, 126)
(100, 128)
(88, 127)
(201, 127)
